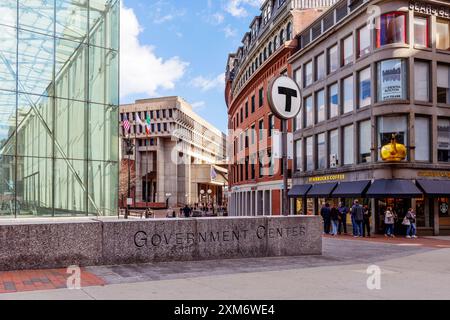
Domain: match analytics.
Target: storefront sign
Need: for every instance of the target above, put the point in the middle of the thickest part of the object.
(391, 80)
(431, 9)
(327, 178)
(434, 174)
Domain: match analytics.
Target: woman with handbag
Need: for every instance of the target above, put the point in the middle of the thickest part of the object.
(389, 222)
(410, 222)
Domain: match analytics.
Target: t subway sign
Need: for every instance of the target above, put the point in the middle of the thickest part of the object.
(285, 98)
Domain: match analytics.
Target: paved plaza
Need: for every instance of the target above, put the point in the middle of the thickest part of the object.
(409, 269)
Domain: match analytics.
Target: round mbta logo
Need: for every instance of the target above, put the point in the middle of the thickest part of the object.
(284, 97)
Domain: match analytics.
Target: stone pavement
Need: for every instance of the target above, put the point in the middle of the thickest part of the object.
(421, 272)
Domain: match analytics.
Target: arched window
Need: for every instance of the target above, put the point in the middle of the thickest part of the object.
(265, 54)
(289, 31)
(275, 43)
(256, 63)
(270, 48)
(260, 58)
(281, 37)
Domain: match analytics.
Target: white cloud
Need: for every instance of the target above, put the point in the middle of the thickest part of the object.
(237, 8)
(229, 32)
(141, 70)
(206, 84)
(198, 105)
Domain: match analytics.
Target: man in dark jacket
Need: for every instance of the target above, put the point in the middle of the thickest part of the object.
(366, 221)
(187, 211)
(326, 215)
(358, 214)
(343, 210)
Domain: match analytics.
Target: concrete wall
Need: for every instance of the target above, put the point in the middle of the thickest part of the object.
(94, 242)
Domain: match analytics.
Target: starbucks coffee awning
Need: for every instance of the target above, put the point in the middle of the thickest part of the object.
(393, 188)
(435, 188)
(351, 189)
(298, 191)
(321, 190)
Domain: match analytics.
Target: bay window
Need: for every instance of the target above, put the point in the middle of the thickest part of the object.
(422, 80)
(444, 139)
(365, 141)
(320, 106)
(348, 145)
(422, 138)
(443, 34)
(391, 29)
(392, 125)
(365, 91)
(392, 84)
(421, 31)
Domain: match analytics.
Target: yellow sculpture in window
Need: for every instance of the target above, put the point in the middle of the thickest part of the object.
(393, 152)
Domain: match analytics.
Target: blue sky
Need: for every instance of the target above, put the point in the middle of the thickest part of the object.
(180, 47)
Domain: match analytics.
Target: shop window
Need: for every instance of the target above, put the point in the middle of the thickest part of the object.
(334, 148)
(347, 50)
(422, 138)
(444, 140)
(421, 31)
(333, 59)
(365, 141)
(348, 94)
(320, 106)
(392, 83)
(364, 92)
(422, 80)
(321, 152)
(298, 155)
(309, 154)
(364, 40)
(349, 144)
(392, 29)
(309, 111)
(443, 34)
(308, 74)
(320, 67)
(443, 84)
(333, 100)
(389, 126)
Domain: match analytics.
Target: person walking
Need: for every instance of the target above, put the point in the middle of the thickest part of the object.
(187, 211)
(411, 224)
(358, 214)
(334, 216)
(343, 210)
(325, 213)
(366, 221)
(389, 222)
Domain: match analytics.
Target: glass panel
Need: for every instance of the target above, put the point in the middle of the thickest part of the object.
(392, 76)
(37, 15)
(309, 154)
(348, 145)
(392, 29)
(35, 57)
(333, 59)
(309, 111)
(320, 106)
(365, 91)
(443, 84)
(8, 49)
(334, 148)
(365, 142)
(103, 76)
(298, 154)
(422, 81)
(320, 67)
(348, 50)
(103, 187)
(71, 19)
(444, 140)
(348, 94)
(7, 123)
(321, 152)
(334, 100)
(364, 40)
(35, 126)
(443, 35)
(421, 31)
(34, 186)
(7, 187)
(308, 74)
(422, 141)
(387, 126)
(8, 13)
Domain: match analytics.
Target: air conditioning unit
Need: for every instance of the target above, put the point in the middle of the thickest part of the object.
(333, 161)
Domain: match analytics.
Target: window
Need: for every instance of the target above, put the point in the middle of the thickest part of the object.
(289, 31)
(309, 111)
(334, 148)
(422, 139)
(392, 83)
(261, 98)
(271, 124)
(389, 126)
(421, 33)
(443, 83)
(363, 40)
(348, 94)
(270, 48)
(252, 134)
(242, 115)
(321, 152)
(246, 107)
(365, 141)
(298, 77)
(347, 50)
(320, 106)
(281, 37)
(392, 29)
(422, 80)
(298, 155)
(444, 140)
(333, 59)
(320, 67)
(443, 34)
(309, 154)
(364, 91)
(275, 43)
(298, 120)
(308, 74)
(253, 103)
(348, 145)
(261, 129)
(333, 100)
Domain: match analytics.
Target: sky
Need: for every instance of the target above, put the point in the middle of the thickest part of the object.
(180, 48)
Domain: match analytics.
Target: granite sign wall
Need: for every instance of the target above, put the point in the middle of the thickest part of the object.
(96, 242)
